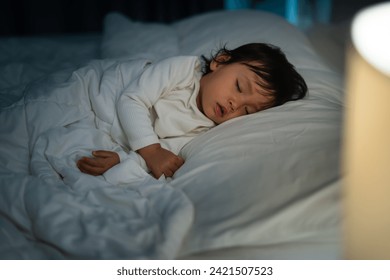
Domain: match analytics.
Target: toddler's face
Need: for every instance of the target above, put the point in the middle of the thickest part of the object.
(231, 91)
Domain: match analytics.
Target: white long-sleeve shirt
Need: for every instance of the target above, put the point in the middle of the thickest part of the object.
(160, 106)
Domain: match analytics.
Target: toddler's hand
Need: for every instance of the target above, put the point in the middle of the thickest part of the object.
(160, 161)
(99, 163)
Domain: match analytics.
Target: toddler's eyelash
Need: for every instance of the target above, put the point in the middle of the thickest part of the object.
(238, 86)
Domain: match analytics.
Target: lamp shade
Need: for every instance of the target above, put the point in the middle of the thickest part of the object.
(366, 156)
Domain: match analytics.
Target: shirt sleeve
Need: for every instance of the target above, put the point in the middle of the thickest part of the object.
(135, 104)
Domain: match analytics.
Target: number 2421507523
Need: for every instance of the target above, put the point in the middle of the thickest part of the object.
(243, 270)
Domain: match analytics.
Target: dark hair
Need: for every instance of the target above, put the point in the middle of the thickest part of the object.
(277, 75)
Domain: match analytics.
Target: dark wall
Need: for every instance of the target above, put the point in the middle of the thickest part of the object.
(346, 9)
(32, 17)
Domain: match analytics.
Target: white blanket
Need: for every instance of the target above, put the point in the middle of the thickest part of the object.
(59, 119)
(262, 181)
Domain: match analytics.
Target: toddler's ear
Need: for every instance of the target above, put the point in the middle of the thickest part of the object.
(218, 60)
(223, 57)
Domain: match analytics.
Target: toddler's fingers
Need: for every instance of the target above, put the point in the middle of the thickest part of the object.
(179, 162)
(85, 168)
(88, 169)
(103, 153)
(91, 162)
(168, 172)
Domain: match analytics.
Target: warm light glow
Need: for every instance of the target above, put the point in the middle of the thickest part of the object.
(371, 36)
(366, 155)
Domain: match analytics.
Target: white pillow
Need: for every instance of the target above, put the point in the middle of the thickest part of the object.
(242, 174)
(204, 33)
(123, 37)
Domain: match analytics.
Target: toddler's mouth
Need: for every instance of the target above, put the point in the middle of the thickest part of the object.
(220, 110)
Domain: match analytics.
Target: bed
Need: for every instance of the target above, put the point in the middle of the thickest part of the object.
(264, 186)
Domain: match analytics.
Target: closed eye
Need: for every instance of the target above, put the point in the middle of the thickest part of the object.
(238, 86)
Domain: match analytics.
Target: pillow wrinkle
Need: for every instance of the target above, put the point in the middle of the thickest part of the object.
(272, 187)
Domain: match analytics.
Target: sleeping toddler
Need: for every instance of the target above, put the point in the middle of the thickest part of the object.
(178, 98)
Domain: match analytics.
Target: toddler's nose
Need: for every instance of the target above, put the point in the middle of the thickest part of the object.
(232, 106)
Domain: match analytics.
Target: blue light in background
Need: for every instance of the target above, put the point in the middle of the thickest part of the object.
(292, 11)
(301, 13)
(237, 4)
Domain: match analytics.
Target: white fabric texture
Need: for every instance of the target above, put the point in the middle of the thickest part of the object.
(161, 104)
(265, 148)
(262, 180)
(58, 126)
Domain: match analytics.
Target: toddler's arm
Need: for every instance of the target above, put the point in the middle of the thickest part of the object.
(99, 163)
(160, 161)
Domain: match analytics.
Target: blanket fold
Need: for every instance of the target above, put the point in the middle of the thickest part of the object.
(68, 214)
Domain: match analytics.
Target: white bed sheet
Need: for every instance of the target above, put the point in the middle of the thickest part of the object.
(314, 245)
(273, 195)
